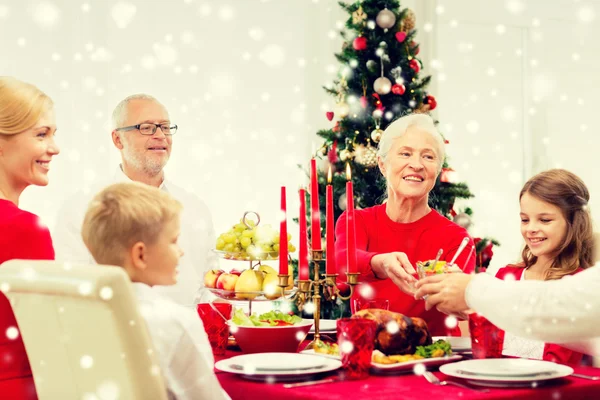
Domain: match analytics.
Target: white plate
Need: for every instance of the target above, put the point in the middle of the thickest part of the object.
(325, 326)
(406, 366)
(458, 343)
(506, 370)
(278, 366)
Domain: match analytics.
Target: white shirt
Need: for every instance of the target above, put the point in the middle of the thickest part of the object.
(517, 346)
(565, 311)
(196, 240)
(183, 348)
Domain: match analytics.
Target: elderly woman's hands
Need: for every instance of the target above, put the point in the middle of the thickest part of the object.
(446, 292)
(397, 267)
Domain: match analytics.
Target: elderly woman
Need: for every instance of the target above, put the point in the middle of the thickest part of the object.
(392, 237)
(27, 127)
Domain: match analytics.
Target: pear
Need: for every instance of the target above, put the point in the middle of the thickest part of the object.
(267, 269)
(249, 281)
(271, 286)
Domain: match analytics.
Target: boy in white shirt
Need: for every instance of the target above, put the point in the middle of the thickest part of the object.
(136, 227)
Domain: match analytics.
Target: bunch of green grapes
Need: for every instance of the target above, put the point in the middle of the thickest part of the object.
(251, 242)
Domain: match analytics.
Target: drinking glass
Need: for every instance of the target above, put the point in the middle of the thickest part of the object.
(356, 341)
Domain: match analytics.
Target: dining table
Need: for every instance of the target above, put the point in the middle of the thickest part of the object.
(405, 386)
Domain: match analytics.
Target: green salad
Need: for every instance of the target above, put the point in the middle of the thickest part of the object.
(438, 349)
(272, 318)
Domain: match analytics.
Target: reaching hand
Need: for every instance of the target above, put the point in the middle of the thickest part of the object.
(395, 266)
(446, 292)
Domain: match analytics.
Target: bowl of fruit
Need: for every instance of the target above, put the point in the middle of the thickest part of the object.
(258, 283)
(269, 332)
(431, 267)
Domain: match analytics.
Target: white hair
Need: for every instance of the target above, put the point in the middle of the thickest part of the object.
(119, 114)
(400, 126)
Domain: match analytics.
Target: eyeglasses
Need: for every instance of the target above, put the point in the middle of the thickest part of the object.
(149, 129)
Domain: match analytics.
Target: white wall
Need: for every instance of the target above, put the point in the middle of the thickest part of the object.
(243, 78)
(517, 95)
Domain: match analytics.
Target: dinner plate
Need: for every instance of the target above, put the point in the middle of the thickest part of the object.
(406, 366)
(458, 343)
(326, 326)
(495, 371)
(277, 366)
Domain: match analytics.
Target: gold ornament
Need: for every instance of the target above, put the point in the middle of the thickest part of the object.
(385, 19)
(366, 155)
(342, 109)
(376, 135)
(359, 16)
(345, 155)
(409, 21)
(382, 85)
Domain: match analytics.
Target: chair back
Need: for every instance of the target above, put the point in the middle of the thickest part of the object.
(82, 330)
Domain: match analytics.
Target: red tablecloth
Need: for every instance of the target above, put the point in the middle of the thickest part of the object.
(406, 387)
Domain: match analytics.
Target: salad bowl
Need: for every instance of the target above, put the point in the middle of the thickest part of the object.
(268, 333)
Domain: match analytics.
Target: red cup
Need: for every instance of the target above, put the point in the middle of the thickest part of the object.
(362, 304)
(215, 325)
(487, 339)
(356, 340)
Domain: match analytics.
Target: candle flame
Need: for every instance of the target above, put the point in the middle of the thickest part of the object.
(329, 175)
(348, 172)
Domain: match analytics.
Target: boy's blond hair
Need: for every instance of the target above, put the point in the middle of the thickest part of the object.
(123, 214)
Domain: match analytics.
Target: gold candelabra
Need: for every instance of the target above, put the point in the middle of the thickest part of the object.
(311, 289)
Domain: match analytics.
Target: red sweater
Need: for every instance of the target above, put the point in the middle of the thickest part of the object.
(552, 352)
(21, 237)
(376, 233)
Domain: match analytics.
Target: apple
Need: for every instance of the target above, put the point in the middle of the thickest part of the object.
(211, 277)
(236, 272)
(227, 282)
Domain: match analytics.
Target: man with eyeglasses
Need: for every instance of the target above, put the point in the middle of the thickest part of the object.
(143, 133)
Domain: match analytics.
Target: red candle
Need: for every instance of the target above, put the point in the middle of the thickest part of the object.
(303, 238)
(315, 211)
(350, 235)
(283, 249)
(329, 228)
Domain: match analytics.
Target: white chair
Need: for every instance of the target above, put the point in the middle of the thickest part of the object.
(82, 330)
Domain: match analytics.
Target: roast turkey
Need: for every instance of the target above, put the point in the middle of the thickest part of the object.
(396, 333)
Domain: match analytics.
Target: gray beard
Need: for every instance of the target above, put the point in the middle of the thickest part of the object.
(148, 166)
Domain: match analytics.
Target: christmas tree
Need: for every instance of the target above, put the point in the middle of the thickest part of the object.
(379, 81)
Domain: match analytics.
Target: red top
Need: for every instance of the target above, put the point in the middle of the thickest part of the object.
(552, 352)
(22, 236)
(376, 233)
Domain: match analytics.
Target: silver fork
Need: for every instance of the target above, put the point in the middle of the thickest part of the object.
(434, 379)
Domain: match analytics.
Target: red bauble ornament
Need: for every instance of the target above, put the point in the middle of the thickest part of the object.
(364, 102)
(400, 36)
(360, 43)
(332, 153)
(415, 47)
(336, 127)
(431, 101)
(414, 64)
(398, 89)
(329, 115)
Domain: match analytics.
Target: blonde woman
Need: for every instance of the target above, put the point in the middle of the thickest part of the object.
(27, 129)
